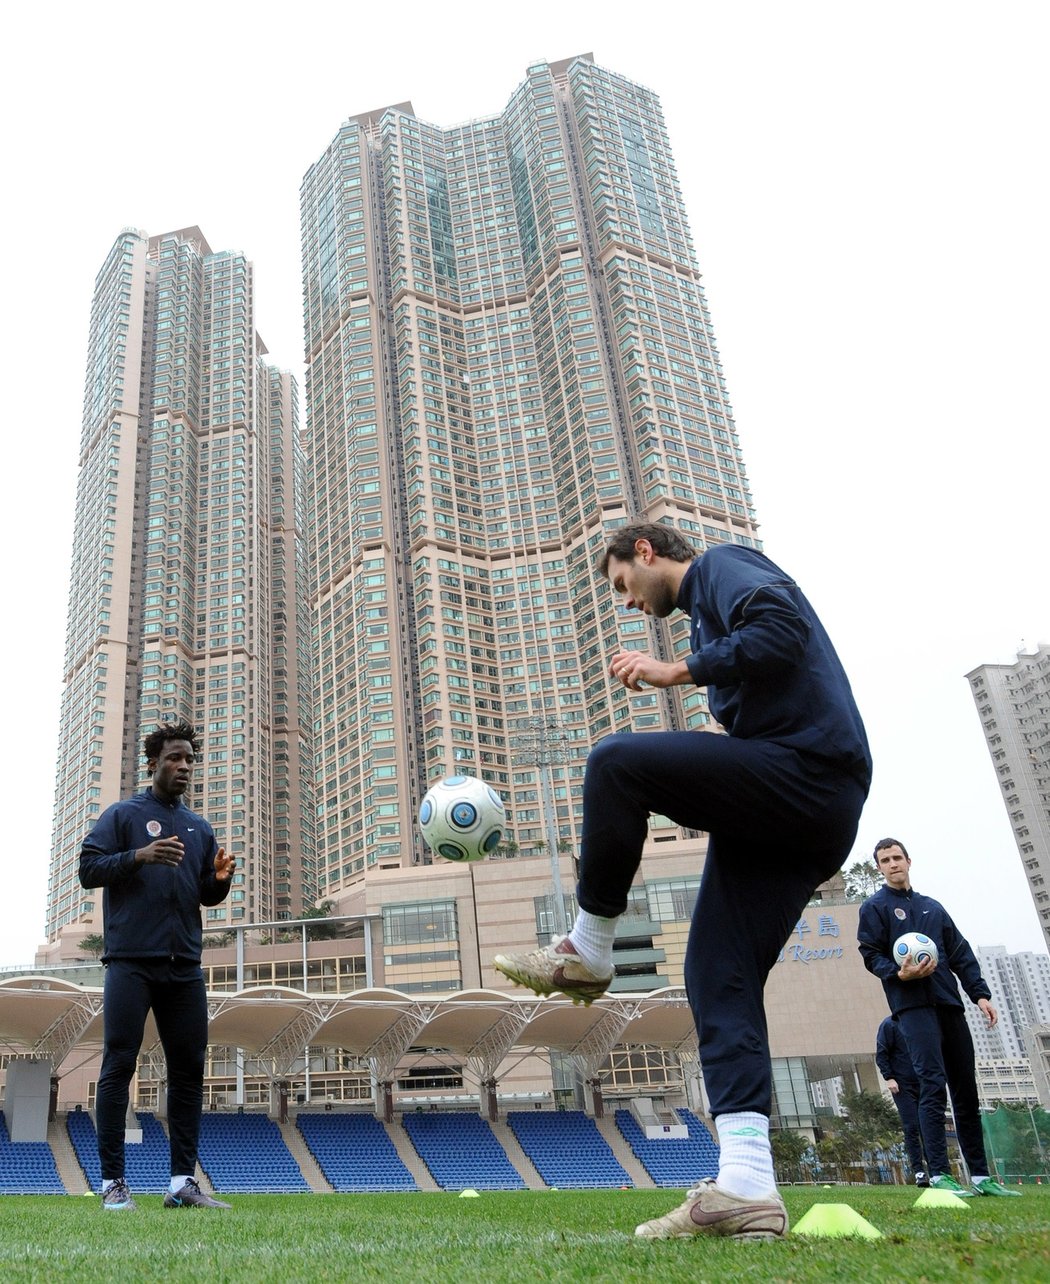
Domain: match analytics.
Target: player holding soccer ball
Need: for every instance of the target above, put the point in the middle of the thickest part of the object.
(779, 796)
(924, 998)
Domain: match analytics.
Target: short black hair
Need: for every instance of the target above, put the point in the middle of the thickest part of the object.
(666, 542)
(883, 843)
(154, 743)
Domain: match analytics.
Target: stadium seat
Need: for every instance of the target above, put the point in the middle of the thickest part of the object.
(461, 1151)
(354, 1152)
(567, 1149)
(672, 1161)
(27, 1167)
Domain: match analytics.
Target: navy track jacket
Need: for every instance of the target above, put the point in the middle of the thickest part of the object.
(892, 1055)
(151, 911)
(889, 914)
(770, 669)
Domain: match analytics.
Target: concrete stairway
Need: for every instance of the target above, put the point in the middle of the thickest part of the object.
(308, 1165)
(409, 1156)
(504, 1134)
(69, 1170)
(624, 1154)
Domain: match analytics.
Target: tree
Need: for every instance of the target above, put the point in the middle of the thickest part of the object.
(92, 944)
(789, 1149)
(873, 1120)
(323, 931)
(862, 879)
(869, 1124)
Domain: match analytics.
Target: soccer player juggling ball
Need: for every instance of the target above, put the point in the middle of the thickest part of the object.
(780, 797)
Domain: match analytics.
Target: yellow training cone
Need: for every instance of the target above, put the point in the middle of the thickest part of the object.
(940, 1199)
(835, 1219)
(469, 1194)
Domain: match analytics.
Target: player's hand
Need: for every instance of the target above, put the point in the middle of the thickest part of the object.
(224, 865)
(893, 1086)
(990, 1013)
(910, 971)
(162, 851)
(633, 668)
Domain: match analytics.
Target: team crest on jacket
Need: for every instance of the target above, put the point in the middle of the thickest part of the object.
(153, 828)
(898, 911)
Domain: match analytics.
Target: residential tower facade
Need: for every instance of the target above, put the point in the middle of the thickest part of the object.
(509, 353)
(1013, 703)
(188, 577)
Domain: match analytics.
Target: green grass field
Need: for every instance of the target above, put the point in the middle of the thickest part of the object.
(512, 1236)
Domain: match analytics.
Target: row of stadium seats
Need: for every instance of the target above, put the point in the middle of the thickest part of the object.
(27, 1167)
(246, 1152)
(672, 1161)
(461, 1152)
(354, 1152)
(567, 1149)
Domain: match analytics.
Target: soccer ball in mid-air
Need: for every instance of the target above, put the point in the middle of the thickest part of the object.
(915, 947)
(462, 818)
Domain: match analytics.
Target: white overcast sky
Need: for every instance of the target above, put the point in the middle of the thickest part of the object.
(866, 185)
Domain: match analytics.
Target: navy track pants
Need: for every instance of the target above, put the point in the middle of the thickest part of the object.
(941, 1050)
(906, 1099)
(779, 823)
(176, 994)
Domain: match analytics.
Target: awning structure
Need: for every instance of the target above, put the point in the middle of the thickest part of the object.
(46, 1017)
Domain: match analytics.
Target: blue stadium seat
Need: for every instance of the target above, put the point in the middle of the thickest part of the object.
(354, 1152)
(461, 1151)
(27, 1167)
(675, 1162)
(147, 1164)
(567, 1149)
(246, 1153)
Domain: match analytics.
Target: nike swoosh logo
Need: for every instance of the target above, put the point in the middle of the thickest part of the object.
(754, 1212)
(925, 911)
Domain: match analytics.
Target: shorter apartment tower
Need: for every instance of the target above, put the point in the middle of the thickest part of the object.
(1020, 986)
(188, 575)
(1013, 702)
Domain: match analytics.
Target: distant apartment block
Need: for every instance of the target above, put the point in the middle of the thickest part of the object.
(1020, 986)
(1013, 703)
(188, 578)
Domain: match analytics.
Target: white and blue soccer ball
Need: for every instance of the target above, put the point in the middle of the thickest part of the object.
(915, 947)
(462, 818)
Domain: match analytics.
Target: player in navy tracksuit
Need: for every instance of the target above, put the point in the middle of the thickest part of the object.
(894, 1062)
(780, 797)
(157, 863)
(925, 1000)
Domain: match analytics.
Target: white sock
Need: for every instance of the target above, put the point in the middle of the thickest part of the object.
(177, 1184)
(107, 1182)
(592, 939)
(745, 1164)
(976, 1179)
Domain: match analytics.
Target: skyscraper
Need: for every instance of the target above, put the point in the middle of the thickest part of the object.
(1020, 986)
(188, 577)
(509, 352)
(1013, 703)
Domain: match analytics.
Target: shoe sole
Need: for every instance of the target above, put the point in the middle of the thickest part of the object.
(699, 1234)
(585, 993)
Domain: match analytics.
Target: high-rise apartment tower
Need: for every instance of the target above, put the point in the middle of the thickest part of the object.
(1013, 703)
(509, 353)
(1020, 986)
(189, 573)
